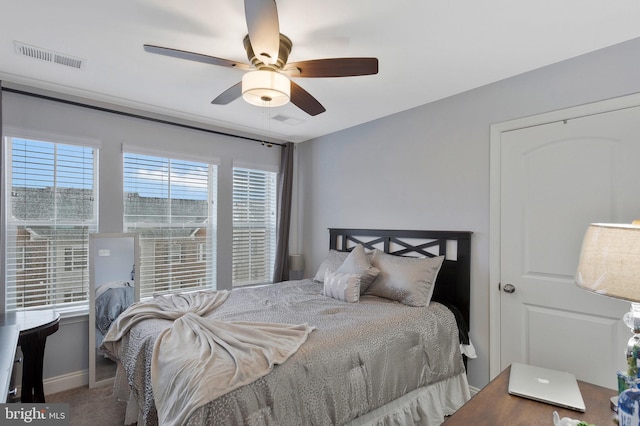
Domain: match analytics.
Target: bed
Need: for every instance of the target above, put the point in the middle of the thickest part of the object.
(111, 299)
(385, 358)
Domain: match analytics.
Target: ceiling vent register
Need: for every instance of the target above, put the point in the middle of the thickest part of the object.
(34, 52)
(288, 120)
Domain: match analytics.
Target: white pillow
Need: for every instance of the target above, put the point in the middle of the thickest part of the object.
(358, 263)
(408, 280)
(333, 261)
(345, 287)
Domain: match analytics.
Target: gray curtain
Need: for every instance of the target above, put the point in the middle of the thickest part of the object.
(285, 186)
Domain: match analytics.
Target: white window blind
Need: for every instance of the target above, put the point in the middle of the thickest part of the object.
(254, 226)
(169, 202)
(51, 210)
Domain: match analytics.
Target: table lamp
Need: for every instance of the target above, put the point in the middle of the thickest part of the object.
(610, 265)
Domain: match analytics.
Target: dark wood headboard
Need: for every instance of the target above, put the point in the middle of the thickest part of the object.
(453, 284)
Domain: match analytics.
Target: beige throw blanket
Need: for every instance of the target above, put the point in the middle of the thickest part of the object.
(197, 359)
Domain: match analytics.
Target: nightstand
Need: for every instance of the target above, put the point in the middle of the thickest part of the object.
(493, 405)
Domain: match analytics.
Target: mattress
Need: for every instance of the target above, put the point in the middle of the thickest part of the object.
(360, 357)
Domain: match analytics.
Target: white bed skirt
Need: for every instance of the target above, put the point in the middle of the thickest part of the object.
(426, 406)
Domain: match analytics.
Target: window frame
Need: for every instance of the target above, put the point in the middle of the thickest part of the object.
(212, 193)
(270, 226)
(21, 261)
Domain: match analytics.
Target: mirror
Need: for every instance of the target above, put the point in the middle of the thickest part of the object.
(113, 286)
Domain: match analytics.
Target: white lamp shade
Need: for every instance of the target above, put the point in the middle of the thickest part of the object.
(266, 88)
(296, 262)
(610, 261)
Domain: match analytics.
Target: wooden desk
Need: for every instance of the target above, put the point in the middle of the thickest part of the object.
(494, 406)
(34, 327)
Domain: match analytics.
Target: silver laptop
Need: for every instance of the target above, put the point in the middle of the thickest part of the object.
(550, 386)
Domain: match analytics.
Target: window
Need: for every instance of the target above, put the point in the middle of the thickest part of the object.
(169, 202)
(51, 210)
(254, 226)
(74, 258)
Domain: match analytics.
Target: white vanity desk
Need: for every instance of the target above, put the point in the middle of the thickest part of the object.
(8, 342)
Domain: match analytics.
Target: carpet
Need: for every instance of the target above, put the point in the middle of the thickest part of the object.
(95, 407)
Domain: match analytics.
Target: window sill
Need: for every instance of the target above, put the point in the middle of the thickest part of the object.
(66, 315)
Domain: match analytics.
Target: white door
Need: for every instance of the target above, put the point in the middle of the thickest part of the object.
(555, 180)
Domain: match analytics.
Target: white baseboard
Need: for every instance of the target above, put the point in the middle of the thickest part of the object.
(66, 382)
(61, 383)
(473, 390)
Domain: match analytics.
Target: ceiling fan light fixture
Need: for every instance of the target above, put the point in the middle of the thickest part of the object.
(266, 88)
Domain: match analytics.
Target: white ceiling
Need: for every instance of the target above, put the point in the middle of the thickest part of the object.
(427, 50)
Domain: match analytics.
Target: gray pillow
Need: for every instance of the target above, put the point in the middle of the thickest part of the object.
(358, 263)
(408, 280)
(345, 287)
(331, 263)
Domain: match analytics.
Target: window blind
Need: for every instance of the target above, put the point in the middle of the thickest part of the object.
(169, 202)
(254, 226)
(51, 211)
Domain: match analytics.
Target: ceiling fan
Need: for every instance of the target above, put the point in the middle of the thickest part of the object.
(266, 83)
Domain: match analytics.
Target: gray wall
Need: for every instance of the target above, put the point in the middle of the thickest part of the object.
(428, 168)
(67, 350)
(118, 264)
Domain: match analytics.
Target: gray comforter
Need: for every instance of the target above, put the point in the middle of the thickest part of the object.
(360, 357)
(110, 304)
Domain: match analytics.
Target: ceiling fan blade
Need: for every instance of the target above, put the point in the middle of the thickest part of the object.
(191, 56)
(303, 100)
(229, 95)
(264, 29)
(335, 67)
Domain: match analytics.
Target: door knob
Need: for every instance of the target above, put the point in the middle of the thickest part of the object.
(509, 288)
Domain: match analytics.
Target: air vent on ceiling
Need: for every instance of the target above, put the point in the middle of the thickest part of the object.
(289, 120)
(34, 52)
